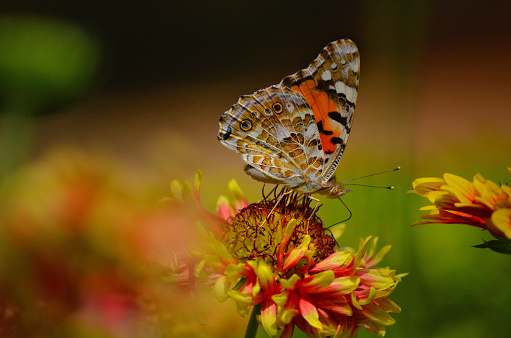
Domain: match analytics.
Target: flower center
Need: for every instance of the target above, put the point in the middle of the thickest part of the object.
(259, 230)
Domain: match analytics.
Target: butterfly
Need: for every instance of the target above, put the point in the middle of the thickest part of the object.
(294, 133)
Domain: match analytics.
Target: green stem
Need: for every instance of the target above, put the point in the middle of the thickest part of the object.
(253, 325)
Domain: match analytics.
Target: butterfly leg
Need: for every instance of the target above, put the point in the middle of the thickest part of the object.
(315, 207)
(278, 201)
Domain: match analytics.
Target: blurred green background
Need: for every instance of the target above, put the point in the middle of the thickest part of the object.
(434, 97)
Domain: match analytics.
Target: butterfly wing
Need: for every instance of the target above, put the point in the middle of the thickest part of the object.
(330, 86)
(275, 132)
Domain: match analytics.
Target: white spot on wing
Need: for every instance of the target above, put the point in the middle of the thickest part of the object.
(281, 132)
(340, 87)
(350, 92)
(326, 75)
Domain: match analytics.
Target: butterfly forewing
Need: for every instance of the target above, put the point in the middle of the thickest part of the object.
(273, 129)
(330, 86)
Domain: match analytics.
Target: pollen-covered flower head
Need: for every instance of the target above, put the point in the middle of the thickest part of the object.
(277, 256)
(282, 230)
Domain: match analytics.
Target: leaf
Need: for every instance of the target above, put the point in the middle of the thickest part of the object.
(502, 246)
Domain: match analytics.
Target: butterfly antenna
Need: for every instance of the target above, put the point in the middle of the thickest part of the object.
(351, 214)
(378, 173)
(372, 186)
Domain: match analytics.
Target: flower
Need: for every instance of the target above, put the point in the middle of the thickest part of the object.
(480, 203)
(87, 251)
(277, 256)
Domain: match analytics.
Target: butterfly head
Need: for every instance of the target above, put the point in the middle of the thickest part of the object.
(333, 189)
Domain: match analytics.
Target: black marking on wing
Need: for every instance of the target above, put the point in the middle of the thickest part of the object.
(337, 140)
(226, 135)
(336, 116)
(323, 131)
(345, 102)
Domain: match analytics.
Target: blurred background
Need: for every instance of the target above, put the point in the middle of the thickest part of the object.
(143, 84)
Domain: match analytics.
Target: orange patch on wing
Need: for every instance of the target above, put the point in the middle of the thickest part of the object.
(321, 105)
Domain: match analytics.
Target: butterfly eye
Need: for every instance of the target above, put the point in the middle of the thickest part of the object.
(253, 114)
(246, 125)
(277, 108)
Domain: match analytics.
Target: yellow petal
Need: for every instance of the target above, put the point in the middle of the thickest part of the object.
(501, 218)
(338, 230)
(429, 187)
(221, 288)
(264, 273)
(460, 187)
(269, 318)
(320, 280)
(280, 298)
(489, 192)
(235, 190)
(333, 261)
(197, 180)
(291, 282)
(297, 253)
(345, 285)
(240, 201)
(362, 250)
(175, 188)
(223, 208)
(310, 313)
(380, 254)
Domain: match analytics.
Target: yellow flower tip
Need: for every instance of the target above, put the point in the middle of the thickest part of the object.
(501, 219)
(383, 251)
(333, 261)
(290, 282)
(264, 273)
(223, 208)
(290, 228)
(198, 180)
(320, 280)
(460, 187)
(235, 190)
(221, 289)
(186, 190)
(297, 253)
(428, 182)
(363, 245)
(176, 187)
(280, 298)
(507, 190)
(268, 318)
(429, 187)
(355, 302)
(287, 315)
(345, 285)
(338, 231)
(310, 313)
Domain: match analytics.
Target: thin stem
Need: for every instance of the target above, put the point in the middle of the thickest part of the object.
(253, 325)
